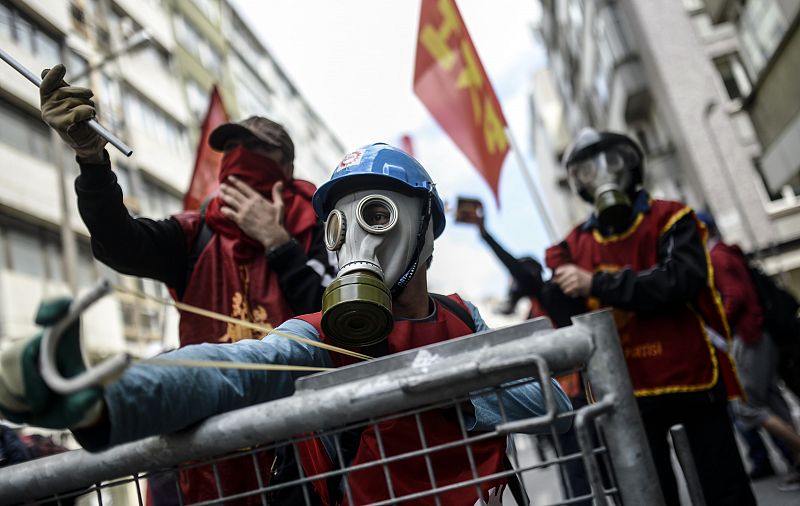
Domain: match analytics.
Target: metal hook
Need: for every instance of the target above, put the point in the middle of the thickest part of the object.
(51, 337)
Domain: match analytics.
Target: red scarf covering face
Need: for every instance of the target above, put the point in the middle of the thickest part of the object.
(260, 173)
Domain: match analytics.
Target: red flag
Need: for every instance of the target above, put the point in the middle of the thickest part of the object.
(206, 166)
(407, 144)
(450, 80)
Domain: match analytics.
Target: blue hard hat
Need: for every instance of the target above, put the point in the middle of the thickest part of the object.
(379, 166)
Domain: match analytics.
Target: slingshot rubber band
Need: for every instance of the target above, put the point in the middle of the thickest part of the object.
(266, 328)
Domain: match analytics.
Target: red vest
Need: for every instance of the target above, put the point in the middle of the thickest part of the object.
(248, 290)
(666, 353)
(244, 289)
(401, 435)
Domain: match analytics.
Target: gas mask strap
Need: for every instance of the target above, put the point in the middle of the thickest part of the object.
(398, 287)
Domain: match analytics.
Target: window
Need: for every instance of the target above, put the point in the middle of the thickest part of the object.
(124, 179)
(54, 260)
(156, 57)
(46, 47)
(25, 133)
(147, 117)
(733, 76)
(87, 273)
(198, 46)
(210, 8)
(78, 19)
(197, 98)
(110, 98)
(6, 22)
(25, 251)
(160, 201)
(611, 35)
(761, 27)
(36, 41)
(76, 65)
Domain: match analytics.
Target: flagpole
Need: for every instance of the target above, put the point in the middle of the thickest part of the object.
(532, 188)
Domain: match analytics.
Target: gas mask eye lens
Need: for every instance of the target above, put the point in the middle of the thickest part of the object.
(376, 214)
(584, 171)
(614, 161)
(335, 227)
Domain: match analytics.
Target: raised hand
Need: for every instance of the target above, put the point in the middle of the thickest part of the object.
(66, 109)
(258, 217)
(573, 280)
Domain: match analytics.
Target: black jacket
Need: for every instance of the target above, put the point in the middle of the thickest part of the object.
(157, 249)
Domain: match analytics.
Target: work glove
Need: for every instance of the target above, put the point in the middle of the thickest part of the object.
(66, 109)
(26, 398)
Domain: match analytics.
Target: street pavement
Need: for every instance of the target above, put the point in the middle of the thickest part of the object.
(767, 493)
(544, 487)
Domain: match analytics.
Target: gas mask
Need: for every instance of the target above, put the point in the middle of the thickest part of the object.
(381, 238)
(606, 179)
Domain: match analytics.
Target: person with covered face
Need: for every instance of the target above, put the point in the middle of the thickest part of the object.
(383, 213)
(646, 259)
(255, 251)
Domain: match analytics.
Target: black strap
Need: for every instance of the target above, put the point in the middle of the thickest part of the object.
(455, 308)
(413, 265)
(201, 240)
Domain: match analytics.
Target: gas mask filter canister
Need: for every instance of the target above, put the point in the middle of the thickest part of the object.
(374, 235)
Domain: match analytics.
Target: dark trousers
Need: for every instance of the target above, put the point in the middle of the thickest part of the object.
(719, 465)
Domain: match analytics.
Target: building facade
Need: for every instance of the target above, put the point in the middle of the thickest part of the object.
(154, 96)
(677, 77)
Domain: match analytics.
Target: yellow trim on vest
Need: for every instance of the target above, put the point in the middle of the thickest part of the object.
(720, 310)
(674, 389)
(675, 219)
(618, 237)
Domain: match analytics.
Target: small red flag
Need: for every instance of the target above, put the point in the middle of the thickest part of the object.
(407, 144)
(205, 177)
(450, 80)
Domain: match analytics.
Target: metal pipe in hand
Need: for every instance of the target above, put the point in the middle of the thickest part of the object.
(93, 124)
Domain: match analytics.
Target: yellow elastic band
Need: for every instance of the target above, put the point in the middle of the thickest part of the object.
(220, 364)
(265, 328)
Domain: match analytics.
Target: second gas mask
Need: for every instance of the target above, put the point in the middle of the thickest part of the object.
(606, 179)
(381, 238)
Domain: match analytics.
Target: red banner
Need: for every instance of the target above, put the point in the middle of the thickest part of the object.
(407, 144)
(206, 166)
(450, 80)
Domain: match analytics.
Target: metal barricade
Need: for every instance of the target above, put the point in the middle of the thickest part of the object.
(611, 449)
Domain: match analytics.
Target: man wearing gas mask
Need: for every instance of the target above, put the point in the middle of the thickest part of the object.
(646, 259)
(382, 215)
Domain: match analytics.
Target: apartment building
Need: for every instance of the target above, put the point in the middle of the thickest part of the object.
(153, 96)
(763, 76)
(677, 79)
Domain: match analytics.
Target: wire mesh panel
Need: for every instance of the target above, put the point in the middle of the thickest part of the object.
(437, 425)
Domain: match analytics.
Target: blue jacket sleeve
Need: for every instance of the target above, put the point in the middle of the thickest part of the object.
(525, 400)
(155, 399)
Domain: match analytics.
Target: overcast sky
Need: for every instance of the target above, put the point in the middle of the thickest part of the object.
(353, 60)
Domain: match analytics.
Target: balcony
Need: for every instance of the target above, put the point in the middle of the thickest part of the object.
(721, 10)
(629, 94)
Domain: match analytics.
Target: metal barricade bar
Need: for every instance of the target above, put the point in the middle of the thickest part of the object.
(411, 383)
(683, 451)
(623, 430)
